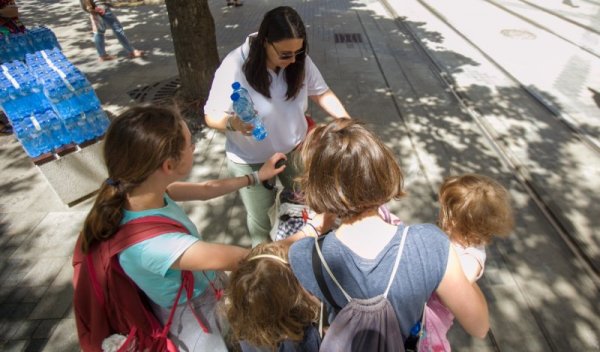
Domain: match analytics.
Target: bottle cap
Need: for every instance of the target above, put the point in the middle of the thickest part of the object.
(236, 85)
(235, 96)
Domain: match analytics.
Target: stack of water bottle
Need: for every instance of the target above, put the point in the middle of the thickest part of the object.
(70, 93)
(50, 103)
(244, 108)
(15, 46)
(34, 122)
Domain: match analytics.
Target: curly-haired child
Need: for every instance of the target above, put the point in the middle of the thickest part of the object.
(266, 306)
(473, 210)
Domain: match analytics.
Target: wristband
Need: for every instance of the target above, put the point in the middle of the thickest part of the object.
(250, 182)
(256, 179)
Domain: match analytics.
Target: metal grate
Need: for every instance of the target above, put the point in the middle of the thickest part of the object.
(163, 93)
(159, 93)
(347, 38)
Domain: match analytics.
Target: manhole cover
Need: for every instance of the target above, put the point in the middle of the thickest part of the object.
(160, 93)
(518, 34)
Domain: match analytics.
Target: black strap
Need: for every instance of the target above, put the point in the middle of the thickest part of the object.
(318, 271)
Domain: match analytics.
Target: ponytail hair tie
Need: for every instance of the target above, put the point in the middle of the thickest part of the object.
(109, 181)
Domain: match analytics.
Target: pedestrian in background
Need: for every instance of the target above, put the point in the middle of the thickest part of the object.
(9, 17)
(102, 16)
(9, 23)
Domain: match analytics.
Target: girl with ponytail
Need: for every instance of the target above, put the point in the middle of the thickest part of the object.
(147, 151)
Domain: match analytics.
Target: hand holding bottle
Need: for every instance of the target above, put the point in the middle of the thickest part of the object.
(240, 126)
(244, 109)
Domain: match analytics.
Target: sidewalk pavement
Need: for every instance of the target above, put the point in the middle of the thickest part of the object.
(38, 231)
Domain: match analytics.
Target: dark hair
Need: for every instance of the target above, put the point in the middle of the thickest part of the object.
(136, 144)
(279, 24)
(265, 304)
(474, 208)
(348, 170)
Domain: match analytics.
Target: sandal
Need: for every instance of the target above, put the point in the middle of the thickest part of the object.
(106, 57)
(135, 54)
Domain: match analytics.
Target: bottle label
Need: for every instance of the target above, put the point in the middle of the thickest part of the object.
(35, 122)
(60, 73)
(10, 78)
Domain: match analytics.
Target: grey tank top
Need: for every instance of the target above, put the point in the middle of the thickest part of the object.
(421, 268)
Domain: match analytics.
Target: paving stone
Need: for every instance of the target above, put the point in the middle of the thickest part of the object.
(7, 329)
(43, 271)
(26, 294)
(21, 311)
(12, 271)
(36, 345)
(54, 236)
(15, 228)
(45, 328)
(64, 337)
(55, 305)
(5, 292)
(14, 345)
(24, 329)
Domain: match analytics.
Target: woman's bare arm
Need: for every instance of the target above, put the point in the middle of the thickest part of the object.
(464, 299)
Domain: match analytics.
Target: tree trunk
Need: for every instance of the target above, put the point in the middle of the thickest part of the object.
(195, 43)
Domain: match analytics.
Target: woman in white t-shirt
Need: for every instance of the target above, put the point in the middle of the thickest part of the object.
(274, 67)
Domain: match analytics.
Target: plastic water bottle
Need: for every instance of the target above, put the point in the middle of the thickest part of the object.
(412, 340)
(23, 136)
(71, 124)
(42, 38)
(244, 108)
(99, 121)
(56, 128)
(40, 139)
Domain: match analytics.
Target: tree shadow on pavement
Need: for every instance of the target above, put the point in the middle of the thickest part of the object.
(533, 283)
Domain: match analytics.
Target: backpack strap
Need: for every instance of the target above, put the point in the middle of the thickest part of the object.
(321, 281)
(326, 266)
(133, 232)
(141, 229)
(187, 283)
(318, 271)
(397, 263)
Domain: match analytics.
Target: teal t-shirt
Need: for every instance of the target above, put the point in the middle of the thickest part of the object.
(148, 263)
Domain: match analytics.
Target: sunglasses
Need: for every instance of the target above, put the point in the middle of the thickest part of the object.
(286, 56)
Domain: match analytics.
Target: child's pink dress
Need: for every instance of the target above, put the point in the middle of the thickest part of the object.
(438, 319)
